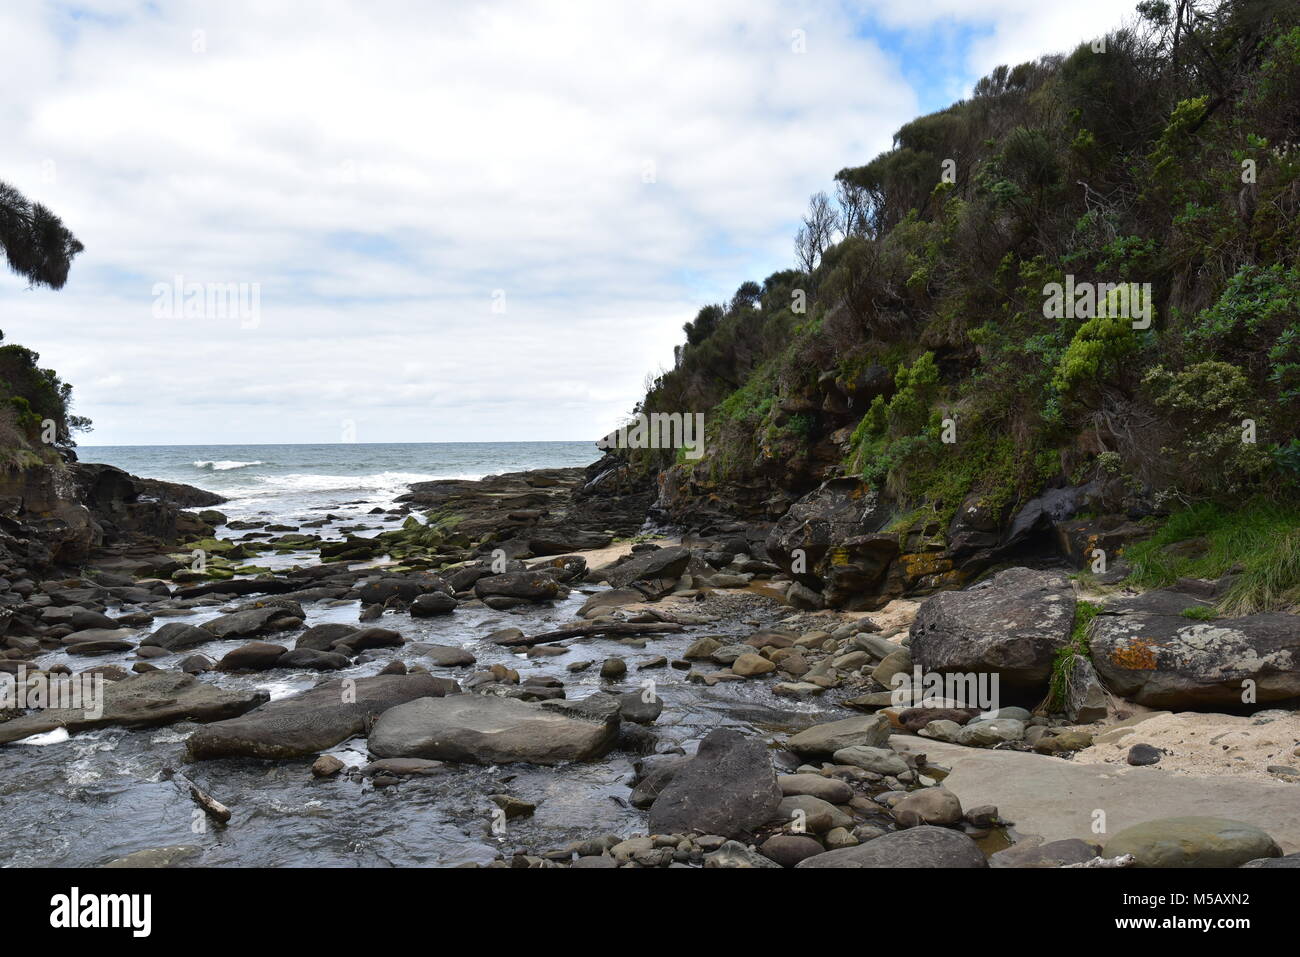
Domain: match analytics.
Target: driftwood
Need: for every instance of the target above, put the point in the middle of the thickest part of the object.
(211, 806)
(594, 628)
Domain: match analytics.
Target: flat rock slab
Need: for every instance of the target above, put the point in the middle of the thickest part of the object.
(486, 729)
(1055, 798)
(144, 701)
(314, 720)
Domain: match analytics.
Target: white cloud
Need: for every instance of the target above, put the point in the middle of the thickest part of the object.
(380, 169)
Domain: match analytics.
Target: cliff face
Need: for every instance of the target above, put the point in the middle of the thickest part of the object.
(54, 515)
(926, 360)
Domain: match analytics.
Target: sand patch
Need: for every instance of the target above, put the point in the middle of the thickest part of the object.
(1204, 744)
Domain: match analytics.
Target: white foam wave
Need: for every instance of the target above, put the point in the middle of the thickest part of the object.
(224, 466)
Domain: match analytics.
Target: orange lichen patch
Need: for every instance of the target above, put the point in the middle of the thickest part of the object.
(919, 564)
(1137, 655)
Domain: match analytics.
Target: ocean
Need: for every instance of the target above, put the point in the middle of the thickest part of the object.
(347, 478)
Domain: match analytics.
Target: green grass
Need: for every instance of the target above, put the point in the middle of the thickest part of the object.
(1200, 613)
(1063, 665)
(1261, 540)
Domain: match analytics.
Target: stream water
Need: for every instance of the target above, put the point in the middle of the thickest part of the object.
(87, 798)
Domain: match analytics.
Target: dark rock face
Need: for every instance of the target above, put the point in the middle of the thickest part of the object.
(728, 788)
(1012, 625)
(831, 541)
(1145, 649)
(314, 720)
(924, 846)
(661, 563)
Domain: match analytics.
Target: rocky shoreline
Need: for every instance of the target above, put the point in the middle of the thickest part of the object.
(529, 625)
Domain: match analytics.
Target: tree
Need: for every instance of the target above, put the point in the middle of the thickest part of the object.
(746, 297)
(817, 232)
(37, 245)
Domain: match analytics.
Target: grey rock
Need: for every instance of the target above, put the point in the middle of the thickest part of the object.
(923, 846)
(1011, 625)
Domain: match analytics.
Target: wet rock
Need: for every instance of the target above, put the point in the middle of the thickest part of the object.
(613, 668)
(1011, 625)
(196, 664)
(254, 656)
(312, 660)
(143, 701)
(326, 766)
(433, 603)
(512, 806)
(1192, 842)
(312, 720)
(526, 586)
(402, 767)
(176, 636)
(728, 788)
(491, 730)
(172, 856)
(255, 621)
(98, 641)
(923, 846)
(444, 656)
(635, 707)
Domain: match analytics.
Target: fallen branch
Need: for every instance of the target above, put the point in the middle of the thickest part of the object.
(211, 806)
(595, 628)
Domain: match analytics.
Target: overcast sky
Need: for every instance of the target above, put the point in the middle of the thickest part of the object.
(463, 222)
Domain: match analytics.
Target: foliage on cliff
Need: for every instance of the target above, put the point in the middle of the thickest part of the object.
(1165, 154)
(35, 416)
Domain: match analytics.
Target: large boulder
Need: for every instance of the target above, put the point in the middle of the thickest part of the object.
(656, 564)
(1145, 649)
(1193, 842)
(728, 788)
(831, 541)
(487, 729)
(274, 615)
(924, 846)
(1010, 625)
(176, 636)
(528, 586)
(313, 720)
(823, 740)
(144, 701)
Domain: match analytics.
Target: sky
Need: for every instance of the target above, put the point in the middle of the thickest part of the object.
(413, 221)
